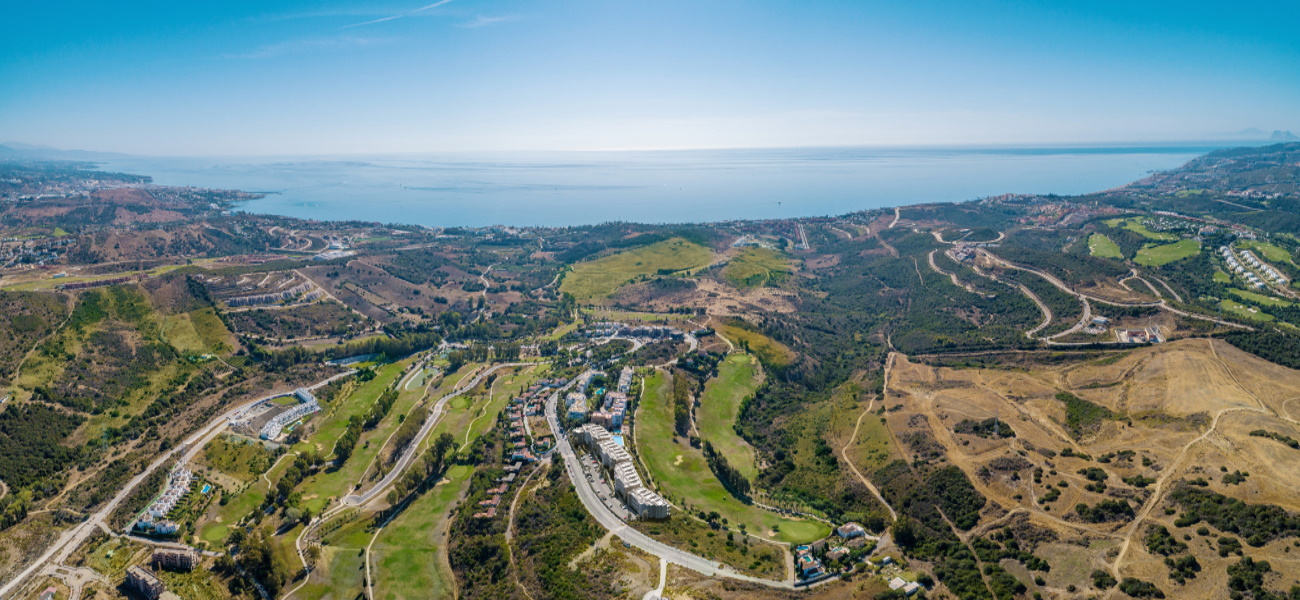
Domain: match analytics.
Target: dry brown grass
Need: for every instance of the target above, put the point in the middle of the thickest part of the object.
(1166, 398)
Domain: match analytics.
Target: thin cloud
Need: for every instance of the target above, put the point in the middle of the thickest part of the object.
(302, 46)
(482, 21)
(399, 16)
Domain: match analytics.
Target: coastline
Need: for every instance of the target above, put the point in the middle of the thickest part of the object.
(562, 189)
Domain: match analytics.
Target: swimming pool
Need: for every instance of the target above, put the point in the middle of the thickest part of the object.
(206, 488)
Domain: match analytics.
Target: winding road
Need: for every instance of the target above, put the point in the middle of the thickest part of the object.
(70, 540)
(627, 533)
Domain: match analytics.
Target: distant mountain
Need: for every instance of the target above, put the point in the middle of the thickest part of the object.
(1283, 136)
(20, 150)
(1250, 133)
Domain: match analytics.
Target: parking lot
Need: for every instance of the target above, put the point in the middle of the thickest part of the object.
(605, 490)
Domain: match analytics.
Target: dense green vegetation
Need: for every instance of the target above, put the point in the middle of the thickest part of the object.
(1273, 435)
(30, 443)
(1257, 523)
(1271, 345)
(1105, 511)
(988, 428)
(731, 478)
(1082, 417)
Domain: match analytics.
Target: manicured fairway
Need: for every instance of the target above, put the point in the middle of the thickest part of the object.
(1267, 251)
(1240, 310)
(738, 377)
(1138, 226)
(1156, 256)
(1100, 245)
(405, 560)
(684, 476)
(318, 489)
(1259, 298)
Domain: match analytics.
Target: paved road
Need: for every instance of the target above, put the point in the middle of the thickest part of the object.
(70, 540)
(610, 521)
(413, 448)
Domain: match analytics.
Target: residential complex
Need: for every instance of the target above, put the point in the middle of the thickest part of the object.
(144, 581)
(307, 405)
(155, 517)
(643, 502)
(175, 559)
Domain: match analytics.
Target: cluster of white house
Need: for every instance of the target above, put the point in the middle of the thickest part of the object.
(625, 380)
(307, 405)
(273, 297)
(154, 517)
(640, 500)
(1270, 273)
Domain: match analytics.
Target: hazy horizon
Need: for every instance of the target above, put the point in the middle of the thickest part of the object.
(340, 78)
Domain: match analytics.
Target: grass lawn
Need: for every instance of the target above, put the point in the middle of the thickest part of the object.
(754, 267)
(768, 349)
(318, 489)
(599, 278)
(563, 330)
(478, 410)
(1100, 245)
(1221, 277)
(1269, 251)
(405, 561)
(1259, 298)
(738, 377)
(1155, 256)
(1244, 312)
(1139, 227)
(684, 476)
(199, 584)
(238, 457)
(216, 530)
(340, 574)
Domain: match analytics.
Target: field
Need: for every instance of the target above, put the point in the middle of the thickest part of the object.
(755, 267)
(1138, 226)
(1155, 256)
(320, 488)
(197, 332)
(406, 560)
(341, 574)
(769, 350)
(215, 525)
(1269, 252)
(237, 457)
(1243, 311)
(685, 479)
(738, 376)
(1259, 298)
(596, 279)
(1171, 410)
(1100, 245)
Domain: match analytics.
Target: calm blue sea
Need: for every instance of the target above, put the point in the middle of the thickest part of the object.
(575, 188)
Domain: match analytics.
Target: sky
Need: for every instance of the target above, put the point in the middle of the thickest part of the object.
(243, 78)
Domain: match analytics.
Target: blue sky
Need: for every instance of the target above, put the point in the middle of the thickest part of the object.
(349, 77)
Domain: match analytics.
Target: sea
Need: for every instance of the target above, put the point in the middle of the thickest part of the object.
(579, 188)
